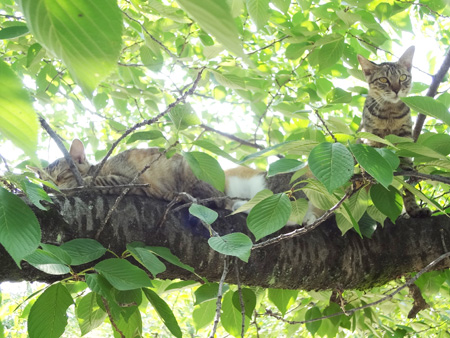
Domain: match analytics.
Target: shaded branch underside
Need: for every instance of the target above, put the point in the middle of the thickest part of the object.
(318, 260)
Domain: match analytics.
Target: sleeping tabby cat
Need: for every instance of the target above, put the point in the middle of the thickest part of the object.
(166, 177)
(384, 113)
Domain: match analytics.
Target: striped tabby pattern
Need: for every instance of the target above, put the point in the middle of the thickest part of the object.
(385, 114)
(166, 177)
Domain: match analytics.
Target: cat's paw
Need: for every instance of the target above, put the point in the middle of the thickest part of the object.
(309, 219)
(239, 204)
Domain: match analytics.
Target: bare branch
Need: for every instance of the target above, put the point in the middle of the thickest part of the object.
(432, 90)
(148, 122)
(304, 230)
(365, 306)
(435, 178)
(325, 125)
(232, 137)
(219, 297)
(241, 298)
(61, 146)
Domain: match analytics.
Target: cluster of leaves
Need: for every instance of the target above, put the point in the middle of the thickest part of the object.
(262, 71)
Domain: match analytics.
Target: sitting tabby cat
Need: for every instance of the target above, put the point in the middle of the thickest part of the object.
(384, 113)
(245, 183)
(166, 177)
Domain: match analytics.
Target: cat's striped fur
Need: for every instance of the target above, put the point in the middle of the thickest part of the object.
(166, 177)
(385, 114)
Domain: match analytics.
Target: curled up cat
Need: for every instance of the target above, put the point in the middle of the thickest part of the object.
(385, 114)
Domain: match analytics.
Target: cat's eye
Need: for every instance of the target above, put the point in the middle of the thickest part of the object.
(403, 77)
(383, 80)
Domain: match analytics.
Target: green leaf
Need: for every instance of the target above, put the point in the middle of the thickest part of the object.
(122, 274)
(373, 163)
(205, 214)
(83, 250)
(330, 53)
(147, 259)
(98, 284)
(418, 149)
(182, 116)
(282, 299)
(332, 164)
(15, 31)
(207, 292)
(47, 262)
(428, 106)
(212, 147)
(204, 314)
(89, 314)
(249, 300)
(47, 318)
(36, 194)
(145, 136)
(130, 326)
(261, 195)
(18, 121)
(170, 257)
(235, 244)
(269, 215)
(92, 51)
(284, 165)
(206, 168)
(313, 313)
(390, 157)
(338, 95)
(231, 318)
(259, 12)
(20, 233)
(215, 18)
(164, 312)
(282, 5)
(299, 209)
(388, 201)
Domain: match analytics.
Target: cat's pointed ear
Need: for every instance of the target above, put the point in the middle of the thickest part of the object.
(367, 66)
(406, 59)
(77, 151)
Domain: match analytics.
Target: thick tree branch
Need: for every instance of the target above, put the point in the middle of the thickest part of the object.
(320, 259)
(432, 90)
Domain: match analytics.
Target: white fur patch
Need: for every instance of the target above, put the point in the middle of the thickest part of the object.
(245, 188)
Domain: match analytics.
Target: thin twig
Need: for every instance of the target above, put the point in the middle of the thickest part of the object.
(432, 90)
(148, 122)
(219, 297)
(60, 145)
(111, 319)
(6, 163)
(435, 178)
(365, 306)
(232, 137)
(384, 50)
(426, 6)
(241, 298)
(269, 45)
(325, 125)
(304, 230)
(105, 187)
(151, 36)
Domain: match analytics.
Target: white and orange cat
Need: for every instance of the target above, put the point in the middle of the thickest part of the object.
(166, 177)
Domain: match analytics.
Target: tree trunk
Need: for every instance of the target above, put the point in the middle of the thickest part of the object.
(318, 260)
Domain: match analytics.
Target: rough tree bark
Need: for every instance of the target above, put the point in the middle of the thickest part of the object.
(320, 259)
